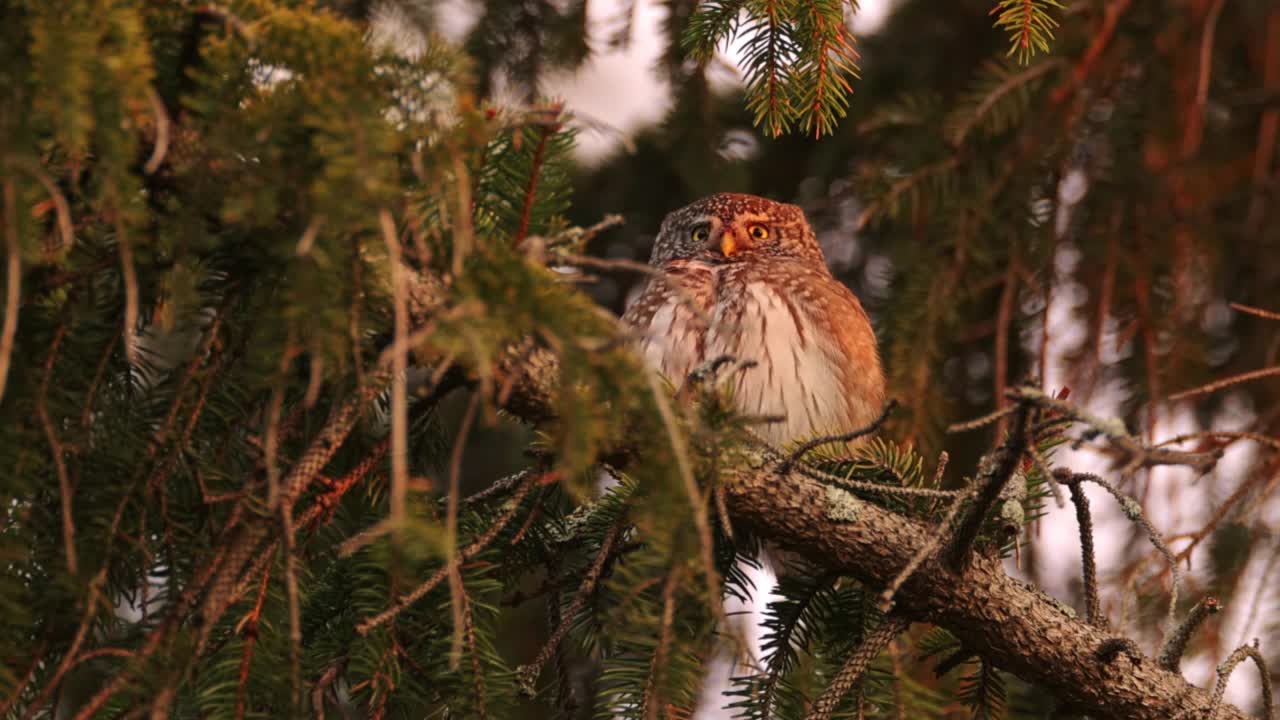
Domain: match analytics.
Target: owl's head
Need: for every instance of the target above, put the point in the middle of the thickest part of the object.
(731, 227)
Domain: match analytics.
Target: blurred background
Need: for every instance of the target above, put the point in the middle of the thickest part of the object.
(1091, 220)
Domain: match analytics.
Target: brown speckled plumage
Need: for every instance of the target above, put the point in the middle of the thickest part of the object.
(771, 300)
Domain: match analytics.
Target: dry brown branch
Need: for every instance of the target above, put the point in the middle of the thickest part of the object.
(1217, 385)
(856, 665)
(456, 592)
(1088, 564)
(55, 447)
(527, 675)
(1015, 626)
(399, 368)
(1224, 674)
(162, 132)
(1134, 454)
(527, 480)
(1259, 312)
(1176, 644)
(12, 281)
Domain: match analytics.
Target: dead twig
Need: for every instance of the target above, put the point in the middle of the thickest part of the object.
(1134, 453)
(1224, 673)
(798, 454)
(527, 675)
(367, 625)
(855, 666)
(995, 472)
(1225, 383)
(1089, 568)
(1176, 644)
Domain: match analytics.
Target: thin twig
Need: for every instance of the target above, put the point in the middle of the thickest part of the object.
(652, 698)
(1194, 128)
(13, 281)
(856, 665)
(473, 651)
(871, 487)
(250, 633)
(535, 171)
(322, 685)
(798, 454)
(1225, 383)
(527, 675)
(1133, 510)
(1259, 312)
(1259, 593)
(55, 447)
(996, 472)
(697, 503)
(1135, 453)
(1089, 568)
(1042, 465)
(456, 591)
(981, 422)
(1176, 643)
(682, 293)
(399, 367)
(129, 278)
(1229, 666)
(162, 132)
(62, 209)
(479, 544)
(1004, 318)
(925, 552)
(295, 604)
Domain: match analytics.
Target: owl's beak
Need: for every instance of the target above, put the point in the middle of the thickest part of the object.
(727, 244)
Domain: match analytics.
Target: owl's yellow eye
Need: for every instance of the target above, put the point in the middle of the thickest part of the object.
(700, 234)
(759, 232)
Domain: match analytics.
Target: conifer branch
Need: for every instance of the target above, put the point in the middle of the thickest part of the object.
(1004, 620)
(1250, 652)
(527, 675)
(12, 281)
(855, 666)
(364, 627)
(535, 171)
(55, 447)
(995, 472)
(1089, 571)
(1225, 383)
(249, 629)
(798, 454)
(1176, 644)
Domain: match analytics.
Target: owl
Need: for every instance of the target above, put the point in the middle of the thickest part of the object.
(744, 276)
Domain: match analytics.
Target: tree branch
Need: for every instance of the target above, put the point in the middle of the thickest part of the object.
(1014, 625)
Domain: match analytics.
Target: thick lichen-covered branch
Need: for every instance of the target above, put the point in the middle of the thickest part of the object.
(1017, 627)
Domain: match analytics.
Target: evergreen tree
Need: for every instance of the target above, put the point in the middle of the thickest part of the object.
(307, 388)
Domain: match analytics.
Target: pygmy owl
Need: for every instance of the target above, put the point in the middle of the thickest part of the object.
(754, 271)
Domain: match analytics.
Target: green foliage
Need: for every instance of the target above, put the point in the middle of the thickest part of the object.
(1029, 24)
(199, 208)
(799, 58)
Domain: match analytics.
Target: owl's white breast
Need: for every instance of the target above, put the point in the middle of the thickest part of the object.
(798, 372)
